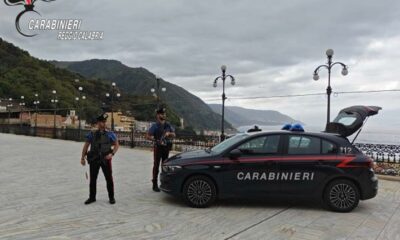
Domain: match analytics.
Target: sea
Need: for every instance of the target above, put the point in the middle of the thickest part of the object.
(373, 136)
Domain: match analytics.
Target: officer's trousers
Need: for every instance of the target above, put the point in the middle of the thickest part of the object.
(160, 154)
(106, 167)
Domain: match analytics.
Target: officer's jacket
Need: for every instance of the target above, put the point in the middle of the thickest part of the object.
(101, 142)
(158, 130)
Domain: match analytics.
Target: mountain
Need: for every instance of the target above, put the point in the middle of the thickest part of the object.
(239, 116)
(23, 75)
(139, 81)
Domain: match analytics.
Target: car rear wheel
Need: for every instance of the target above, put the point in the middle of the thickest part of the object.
(341, 195)
(199, 191)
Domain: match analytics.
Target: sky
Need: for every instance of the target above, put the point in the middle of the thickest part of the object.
(270, 47)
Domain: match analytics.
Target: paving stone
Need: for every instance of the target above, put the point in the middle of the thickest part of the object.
(43, 188)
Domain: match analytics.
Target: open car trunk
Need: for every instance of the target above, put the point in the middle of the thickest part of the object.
(351, 119)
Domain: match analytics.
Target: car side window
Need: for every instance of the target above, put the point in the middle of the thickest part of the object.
(261, 145)
(328, 148)
(304, 145)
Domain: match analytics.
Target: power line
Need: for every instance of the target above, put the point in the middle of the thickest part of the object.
(304, 95)
(371, 91)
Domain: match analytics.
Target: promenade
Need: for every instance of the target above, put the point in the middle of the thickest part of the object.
(43, 187)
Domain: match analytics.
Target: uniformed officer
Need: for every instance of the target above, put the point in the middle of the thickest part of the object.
(103, 146)
(161, 132)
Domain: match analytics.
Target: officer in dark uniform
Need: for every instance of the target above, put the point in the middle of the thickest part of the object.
(103, 146)
(161, 132)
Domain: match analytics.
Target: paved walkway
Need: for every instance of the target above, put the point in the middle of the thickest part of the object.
(43, 188)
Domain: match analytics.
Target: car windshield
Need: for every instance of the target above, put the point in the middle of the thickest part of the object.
(228, 143)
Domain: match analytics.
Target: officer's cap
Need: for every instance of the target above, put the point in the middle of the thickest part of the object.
(161, 110)
(102, 118)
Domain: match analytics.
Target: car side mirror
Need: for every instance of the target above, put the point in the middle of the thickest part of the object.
(235, 154)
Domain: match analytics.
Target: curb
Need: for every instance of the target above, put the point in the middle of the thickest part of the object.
(389, 178)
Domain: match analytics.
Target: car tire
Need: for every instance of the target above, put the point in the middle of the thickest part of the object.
(341, 195)
(199, 191)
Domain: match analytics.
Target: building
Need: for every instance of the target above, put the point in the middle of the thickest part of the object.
(121, 122)
(141, 126)
(47, 120)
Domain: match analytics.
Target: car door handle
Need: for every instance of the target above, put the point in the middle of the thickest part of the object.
(217, 167)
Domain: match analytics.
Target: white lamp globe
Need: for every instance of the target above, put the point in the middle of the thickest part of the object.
(329, 52)
(345, 71)
(316, 77)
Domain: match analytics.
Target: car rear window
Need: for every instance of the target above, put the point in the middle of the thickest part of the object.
(304, 145)
(328, 148)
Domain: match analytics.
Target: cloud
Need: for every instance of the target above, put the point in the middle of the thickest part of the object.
(271, 47)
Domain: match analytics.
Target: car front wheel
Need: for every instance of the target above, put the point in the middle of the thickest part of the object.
(341, 195)
(199, 191)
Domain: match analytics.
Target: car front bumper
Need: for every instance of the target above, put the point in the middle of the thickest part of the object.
(171, 183)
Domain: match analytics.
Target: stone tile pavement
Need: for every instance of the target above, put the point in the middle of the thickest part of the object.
(43, 187)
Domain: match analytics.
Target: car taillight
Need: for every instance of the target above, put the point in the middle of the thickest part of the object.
(368, 163)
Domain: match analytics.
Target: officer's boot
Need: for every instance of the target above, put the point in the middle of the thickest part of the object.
(90, 200)
(155, 186)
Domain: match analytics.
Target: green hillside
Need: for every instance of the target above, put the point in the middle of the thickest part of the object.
(139, 81)
(24, 75)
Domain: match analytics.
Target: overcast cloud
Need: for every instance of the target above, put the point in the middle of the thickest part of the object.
(271, 47)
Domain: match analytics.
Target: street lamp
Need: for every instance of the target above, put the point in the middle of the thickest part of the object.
(156, 91)
(223, 78)
(55, 101)
(80, 89)
(36, 103)
(328, 66)
(9, 106)
(111, 95)
(21, 105)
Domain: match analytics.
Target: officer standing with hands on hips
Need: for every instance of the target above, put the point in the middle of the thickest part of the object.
(161, 132)
(103, 146)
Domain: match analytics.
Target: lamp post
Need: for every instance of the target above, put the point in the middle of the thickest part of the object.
(223, 78)
(157, 90)
(55, 101)
(78, 100)
(328, 66)
(9, 106)
(36, 103)
(111, 96)
(21, 105)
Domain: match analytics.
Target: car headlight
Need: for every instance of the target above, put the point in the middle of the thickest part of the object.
(169, 169)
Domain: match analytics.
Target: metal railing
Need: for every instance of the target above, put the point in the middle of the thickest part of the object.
(131, 139)
(387, 157)
(381, 152)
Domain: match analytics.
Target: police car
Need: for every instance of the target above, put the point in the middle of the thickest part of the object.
(283, 163)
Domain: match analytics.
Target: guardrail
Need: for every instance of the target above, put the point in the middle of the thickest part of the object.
(131, 139)
(386, 157)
